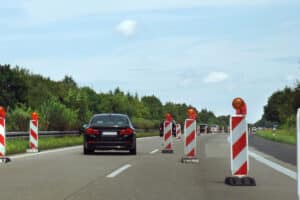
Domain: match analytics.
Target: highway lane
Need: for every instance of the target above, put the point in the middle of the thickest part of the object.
(284, 152)
(71, 175)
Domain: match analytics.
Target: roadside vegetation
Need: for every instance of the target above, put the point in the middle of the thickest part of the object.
(147, 134)
(280, 115)
(280, 135)
(20, 145)
(63, 105)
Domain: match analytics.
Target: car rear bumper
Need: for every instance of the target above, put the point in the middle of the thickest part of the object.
(111, 144)
(106, 145)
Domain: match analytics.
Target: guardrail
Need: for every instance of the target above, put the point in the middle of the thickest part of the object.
(21, 134)
(24, 134)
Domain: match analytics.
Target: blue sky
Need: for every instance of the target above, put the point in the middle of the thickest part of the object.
(199, 52)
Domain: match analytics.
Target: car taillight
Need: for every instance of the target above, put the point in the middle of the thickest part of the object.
(91, 131)
(127, 131)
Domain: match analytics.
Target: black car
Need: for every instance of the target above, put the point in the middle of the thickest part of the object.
(109, 132)
(161, 128)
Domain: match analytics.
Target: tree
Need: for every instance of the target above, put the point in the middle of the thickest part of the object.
(13, 88)
(154, 105)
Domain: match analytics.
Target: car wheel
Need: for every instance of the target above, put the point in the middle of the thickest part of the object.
(87, 151)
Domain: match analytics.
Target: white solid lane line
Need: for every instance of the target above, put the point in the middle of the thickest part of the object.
(14, 157)
(274, 166)
(118, 171)
(154, 151)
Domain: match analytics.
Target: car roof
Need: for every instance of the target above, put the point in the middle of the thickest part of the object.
(110, 114)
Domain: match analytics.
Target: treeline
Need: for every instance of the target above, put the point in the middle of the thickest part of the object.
(63, 105)
(281, 108)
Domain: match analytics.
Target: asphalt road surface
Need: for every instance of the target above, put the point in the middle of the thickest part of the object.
(281, 151)
(68, 174)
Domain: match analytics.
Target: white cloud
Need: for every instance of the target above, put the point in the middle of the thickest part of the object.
(127, 27)
(215, 77)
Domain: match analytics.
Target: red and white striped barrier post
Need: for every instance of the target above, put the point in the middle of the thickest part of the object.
(178, 131)
(33, 134)
(167, 137)
(298, 153)
(239, 147)
(190, 143)
(3, 158)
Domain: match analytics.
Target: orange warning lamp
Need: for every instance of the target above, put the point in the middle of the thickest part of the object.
(191, 113)
(240, 106)
(169, 117)
(2, 112)
(34, 116)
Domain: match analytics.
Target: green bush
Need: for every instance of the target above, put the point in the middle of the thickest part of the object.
(18, 118)
(56, 116)
(145, 123)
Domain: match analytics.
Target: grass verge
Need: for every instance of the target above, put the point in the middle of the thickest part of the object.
(147, 134)
(280, 135)
(20, 145)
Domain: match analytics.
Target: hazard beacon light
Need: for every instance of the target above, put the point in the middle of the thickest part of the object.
(240, 106)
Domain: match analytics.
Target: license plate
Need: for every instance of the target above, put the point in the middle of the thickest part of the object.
(109, 133)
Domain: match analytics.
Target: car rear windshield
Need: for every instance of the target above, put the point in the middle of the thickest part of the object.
(110, 121)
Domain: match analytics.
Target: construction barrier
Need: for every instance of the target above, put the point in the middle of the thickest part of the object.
(178, 131)
(3, 158)
(239, 146)
(167, 137)
(239, 152)
(33, 134)
(298, 153)
(190, 142)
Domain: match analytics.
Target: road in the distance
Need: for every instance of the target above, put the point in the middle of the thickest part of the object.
(72, 175)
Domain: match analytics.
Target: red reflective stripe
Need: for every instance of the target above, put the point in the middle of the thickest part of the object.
(32, 146)
(35, 123)
(1, 155)
(2, 140)
(243, 170)
(189, 122)
(33, 134)
(167, 135)
(1, 121)
(236, 121)
(192, 153)
(190, 138)
(239, 146)
(169, 146)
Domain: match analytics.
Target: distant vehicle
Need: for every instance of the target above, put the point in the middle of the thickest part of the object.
(203, 128)
(254, 129)
(214, 128)
(161, 128)
(109, 132)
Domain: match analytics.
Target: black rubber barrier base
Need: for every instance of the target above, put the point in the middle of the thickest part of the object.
(167, 151)
(5, 160)
(186, 159)
(240, 181)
